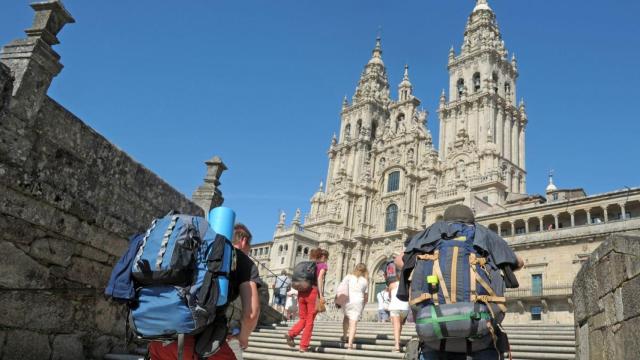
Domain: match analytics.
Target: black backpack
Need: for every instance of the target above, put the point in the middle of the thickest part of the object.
(304, 276)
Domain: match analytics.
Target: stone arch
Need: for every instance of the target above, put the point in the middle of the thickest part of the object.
(376, 280)
(493, 227)
(614, 212)
(564, 220)
(460, 87)
(505, 228)
(534, 224)
(347, 132)
(632, 209)
(580, 217)
(520, 227)
(597, 215)
(476, 82)
(548, 222)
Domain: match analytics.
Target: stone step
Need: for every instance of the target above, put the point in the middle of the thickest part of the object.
(319, 353)
(411, 332)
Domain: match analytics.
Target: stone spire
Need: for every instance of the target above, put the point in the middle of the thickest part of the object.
(373, 84)
(551, 187)
(32, 61)
(208, 195)
(405, 89)
(482, 31)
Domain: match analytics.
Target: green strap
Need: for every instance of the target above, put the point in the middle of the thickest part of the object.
(435, 320)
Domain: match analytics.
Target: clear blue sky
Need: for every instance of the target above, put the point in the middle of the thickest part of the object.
(260, 84)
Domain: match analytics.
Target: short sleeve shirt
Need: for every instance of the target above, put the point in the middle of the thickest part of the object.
(246, 270)
(321, 266)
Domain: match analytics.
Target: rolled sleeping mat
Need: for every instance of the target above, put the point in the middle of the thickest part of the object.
(221, 220)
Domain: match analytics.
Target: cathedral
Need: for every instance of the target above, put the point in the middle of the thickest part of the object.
(386, 180)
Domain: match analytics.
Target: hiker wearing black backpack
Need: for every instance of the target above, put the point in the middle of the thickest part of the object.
(308, 279)
(244, 283)
(454, 275)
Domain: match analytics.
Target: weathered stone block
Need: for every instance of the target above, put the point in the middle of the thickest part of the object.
(68, 347)
(596, 345)
(36, 311)
(91, 253)
(632, 264)
(609, 309)
(630, 347)
(104, 345)
(110, 317)
(585, 289)
(52, 251)
(89, 272)
(18, 231)
(619, 305)
(630, 296)
(610, 273)
(597, 321)
(18, 270)
(26, 345)
(582, 345)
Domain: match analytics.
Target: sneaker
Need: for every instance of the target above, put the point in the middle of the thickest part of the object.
(290, 341)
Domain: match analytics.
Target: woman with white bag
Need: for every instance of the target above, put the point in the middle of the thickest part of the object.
(352, 295)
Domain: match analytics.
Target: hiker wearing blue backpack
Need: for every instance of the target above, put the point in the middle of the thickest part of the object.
(454, 275)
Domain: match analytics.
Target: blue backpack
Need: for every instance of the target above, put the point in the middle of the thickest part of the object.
(181, 272)
(457, 294)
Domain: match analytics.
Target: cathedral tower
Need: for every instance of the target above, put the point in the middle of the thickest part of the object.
(482, 129)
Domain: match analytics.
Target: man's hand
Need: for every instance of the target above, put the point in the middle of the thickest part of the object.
(243, 343)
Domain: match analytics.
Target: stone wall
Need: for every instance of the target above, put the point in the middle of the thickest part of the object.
(605, 294)
(68, 201)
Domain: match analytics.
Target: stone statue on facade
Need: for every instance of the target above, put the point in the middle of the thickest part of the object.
(283, 217)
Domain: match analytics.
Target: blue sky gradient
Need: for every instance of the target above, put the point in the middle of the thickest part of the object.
(260, 84)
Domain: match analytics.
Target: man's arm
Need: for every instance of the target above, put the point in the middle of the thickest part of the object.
(250, 311)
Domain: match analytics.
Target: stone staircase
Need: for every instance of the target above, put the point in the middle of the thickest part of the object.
(375, 341)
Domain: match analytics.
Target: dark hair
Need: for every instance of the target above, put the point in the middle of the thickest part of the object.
(240, 231)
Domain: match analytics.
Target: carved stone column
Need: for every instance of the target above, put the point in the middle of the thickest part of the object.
(573, 219)
(208, 196)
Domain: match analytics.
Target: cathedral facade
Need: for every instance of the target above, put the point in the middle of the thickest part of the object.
(386, 180)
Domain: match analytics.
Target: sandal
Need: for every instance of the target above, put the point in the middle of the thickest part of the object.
(396, 350)
(290, 341)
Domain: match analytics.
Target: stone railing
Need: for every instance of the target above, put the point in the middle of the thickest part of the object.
(605, 294)
(486, 178)
(446, 194)
(561, 290)
(575, 232)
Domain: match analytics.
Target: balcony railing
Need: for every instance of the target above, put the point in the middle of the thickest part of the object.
(560, 290)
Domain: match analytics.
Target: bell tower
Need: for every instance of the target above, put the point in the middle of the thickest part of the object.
(481, 117)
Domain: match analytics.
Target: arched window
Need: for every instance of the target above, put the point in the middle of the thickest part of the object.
(495, 82)
(399, 120)
(393, 182)
(507, 88)
(347, 132)
(391, 219)
(476, 82)
(299, 251)
(460, 86)
(374, 128)
(286, 247)
(280, 250)
(358, 128)
(306, 252)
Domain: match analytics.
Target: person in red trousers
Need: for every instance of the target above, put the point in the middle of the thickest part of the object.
(307, 303)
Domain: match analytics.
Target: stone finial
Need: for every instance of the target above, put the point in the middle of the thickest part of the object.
(32, 61)
(296, 217)
(345, 102)
(208, 196)
(51, 17)
(282, 219)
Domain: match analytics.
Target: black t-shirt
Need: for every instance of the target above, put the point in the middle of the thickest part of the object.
(246, 270)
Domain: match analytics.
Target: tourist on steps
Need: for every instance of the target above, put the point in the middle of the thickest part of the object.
(398, 311)
(383, 297)
(307, 303)
(357, 284)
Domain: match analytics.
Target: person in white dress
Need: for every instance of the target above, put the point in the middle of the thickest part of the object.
(291, 304)
(358, 284)
(398, 310)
